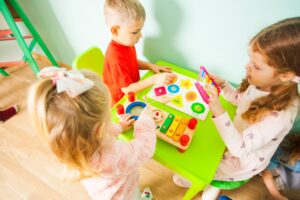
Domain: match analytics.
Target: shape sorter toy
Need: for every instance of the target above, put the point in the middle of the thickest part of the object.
(181, 95)
(186, 94)
(173, 129)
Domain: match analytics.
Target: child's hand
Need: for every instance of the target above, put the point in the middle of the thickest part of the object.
(219, 81)
(214, 102)
(159, 69)
(126, 121)
(164, 78)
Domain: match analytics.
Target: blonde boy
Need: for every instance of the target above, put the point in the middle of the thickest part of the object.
(125, 20)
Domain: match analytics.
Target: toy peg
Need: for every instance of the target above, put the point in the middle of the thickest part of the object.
(131, 96)
(184, 141)
(181, 150)
(120, 109)
(192, 123)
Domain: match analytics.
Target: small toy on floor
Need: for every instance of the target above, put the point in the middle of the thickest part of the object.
(147, 194)
(8, 113)
(223, 197)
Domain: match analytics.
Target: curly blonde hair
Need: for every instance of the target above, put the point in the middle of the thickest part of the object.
(279, 44)
(73, 127)
(117, 12)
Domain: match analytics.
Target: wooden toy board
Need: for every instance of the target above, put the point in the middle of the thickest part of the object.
(182, 95)
(173, 132)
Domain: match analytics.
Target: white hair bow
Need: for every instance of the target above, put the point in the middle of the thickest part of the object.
(73, 82)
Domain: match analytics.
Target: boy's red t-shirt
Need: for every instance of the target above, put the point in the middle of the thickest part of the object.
(120, 69)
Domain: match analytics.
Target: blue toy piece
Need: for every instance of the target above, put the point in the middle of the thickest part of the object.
(131, 106)
(173, 88)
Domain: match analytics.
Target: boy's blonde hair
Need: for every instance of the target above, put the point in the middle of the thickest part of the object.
(279, 44)
(73, 127)
(117, 12)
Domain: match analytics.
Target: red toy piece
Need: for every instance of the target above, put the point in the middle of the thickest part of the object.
(131, 96)
(184, 141)
(120, 109)
(192, 123)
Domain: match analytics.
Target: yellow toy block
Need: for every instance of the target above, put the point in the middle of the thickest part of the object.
(173, 126)
(180, 129)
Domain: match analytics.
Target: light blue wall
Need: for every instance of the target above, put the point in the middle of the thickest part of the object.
(188, 33)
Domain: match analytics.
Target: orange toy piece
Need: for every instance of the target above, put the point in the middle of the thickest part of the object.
(180, 129)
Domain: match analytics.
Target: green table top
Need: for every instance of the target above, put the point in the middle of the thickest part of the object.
(200, 161)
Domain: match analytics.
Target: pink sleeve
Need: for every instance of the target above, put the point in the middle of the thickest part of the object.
(115, 129)
(230, 93)
(141, 148)
(271, 129)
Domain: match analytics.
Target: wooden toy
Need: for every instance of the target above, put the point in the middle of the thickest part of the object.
(173, 129)
(205, 78)
(181, 95)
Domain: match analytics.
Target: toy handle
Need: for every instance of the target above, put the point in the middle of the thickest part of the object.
(202, 92)
(202, 68)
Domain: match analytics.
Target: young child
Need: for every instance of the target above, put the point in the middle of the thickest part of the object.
(267, 102)
(125, 20)
(72, 112)
(283, 172)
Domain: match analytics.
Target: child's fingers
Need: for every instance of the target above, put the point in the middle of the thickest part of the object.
(211, 89)
(125, 117)
(217, 79)
(170, 77)
(131, 121)
(165, 69)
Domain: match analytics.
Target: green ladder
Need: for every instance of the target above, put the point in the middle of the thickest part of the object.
(17, 34)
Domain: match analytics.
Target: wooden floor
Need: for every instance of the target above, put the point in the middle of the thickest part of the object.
(29, 171)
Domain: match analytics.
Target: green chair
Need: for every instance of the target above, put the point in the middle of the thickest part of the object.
(228, 185)
(91, 59)
(214, 191)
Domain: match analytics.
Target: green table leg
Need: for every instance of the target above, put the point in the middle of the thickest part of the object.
(194, 190)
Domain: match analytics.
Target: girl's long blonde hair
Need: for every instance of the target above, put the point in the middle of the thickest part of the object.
(73, 127)
(279, 44)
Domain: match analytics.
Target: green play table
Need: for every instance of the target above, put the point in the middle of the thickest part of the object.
(200, 161)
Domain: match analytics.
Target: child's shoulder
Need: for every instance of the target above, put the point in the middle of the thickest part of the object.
(286, 116)
(117, 52)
